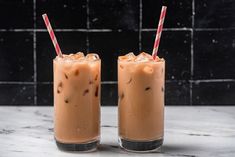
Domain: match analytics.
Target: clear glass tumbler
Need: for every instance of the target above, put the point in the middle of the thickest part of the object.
(141, 103)
(77, 102)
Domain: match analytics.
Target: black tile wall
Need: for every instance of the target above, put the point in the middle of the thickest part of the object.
(62, 14)
(177, 93)
(109, 94)
(214, 93)
(17, 94)
(198, 43)
(214, 54)
(16, 14)
(215, 14)
(179, 13)
(113, 14)
(45, 94)
(16, 62)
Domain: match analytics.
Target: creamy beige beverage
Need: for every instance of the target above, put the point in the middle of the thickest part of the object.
(141, 82)
(77, 101)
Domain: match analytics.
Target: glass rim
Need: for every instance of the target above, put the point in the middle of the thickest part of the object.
(75, 60)
(146, 62)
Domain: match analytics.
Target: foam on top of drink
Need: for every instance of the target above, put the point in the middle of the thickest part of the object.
(142, 57)
(79, 56)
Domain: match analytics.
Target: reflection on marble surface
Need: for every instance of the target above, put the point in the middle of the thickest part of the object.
(189, 132)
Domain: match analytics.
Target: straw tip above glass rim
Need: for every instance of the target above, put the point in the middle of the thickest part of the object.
(159, 31)
(44, 15)
(52, 35)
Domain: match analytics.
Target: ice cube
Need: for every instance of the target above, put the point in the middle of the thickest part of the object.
(85, 92)
(148, 69)
(92, 57)
(147, 88)
(71, 57)
(144, 57)
(128, 57)
(97, 91)
(79, 55)
(122, 58)
(59, 87)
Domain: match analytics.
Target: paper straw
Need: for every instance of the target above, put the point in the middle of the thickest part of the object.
(159, 31)
(52, 35)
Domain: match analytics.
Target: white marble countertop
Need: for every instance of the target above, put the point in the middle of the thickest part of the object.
(189, 132)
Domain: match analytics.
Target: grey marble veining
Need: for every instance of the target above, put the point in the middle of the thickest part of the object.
(189, 132)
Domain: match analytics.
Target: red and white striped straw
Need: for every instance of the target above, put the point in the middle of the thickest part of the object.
(159, 32)
(52, 35)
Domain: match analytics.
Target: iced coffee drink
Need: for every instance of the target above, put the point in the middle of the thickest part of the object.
(77, 101)
(141, 101)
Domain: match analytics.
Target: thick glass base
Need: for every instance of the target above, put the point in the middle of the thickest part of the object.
(81, 147)
(140, 146)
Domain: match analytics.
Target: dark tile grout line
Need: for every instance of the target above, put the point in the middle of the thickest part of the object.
(88, 14)
(87, 25)
(116, 30)
(16, 83)
(115, 82)
(140, 25)
(166, 29)
(192, 56)
(81, 30)
(191, 68)
(214, 29)
(35, 52)
(212, 80)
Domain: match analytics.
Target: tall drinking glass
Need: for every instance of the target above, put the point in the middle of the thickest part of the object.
(141, 82)
(77, 102)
